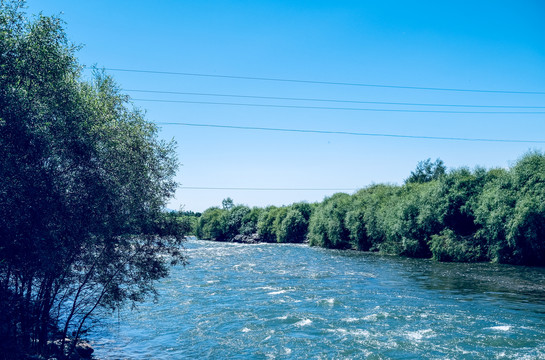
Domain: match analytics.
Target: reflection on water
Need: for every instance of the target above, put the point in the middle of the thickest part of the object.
(291, 301)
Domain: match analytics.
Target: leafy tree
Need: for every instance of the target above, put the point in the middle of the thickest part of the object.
(380, 200)
(357, 232)
(415, 217)
(265, 224)
(327, 227)
(293, 227)
(249, 221)
(511, 212)
(460, 189)
(304, 208)
(269, 223)
(227, 204)
(279, 216)
(427, 171)
(234, 220)
(449, 246)
(83, 181)
(212, 224)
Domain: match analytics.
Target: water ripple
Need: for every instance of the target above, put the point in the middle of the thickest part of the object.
(289, 301)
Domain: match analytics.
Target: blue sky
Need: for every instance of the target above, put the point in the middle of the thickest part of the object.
(491, 45)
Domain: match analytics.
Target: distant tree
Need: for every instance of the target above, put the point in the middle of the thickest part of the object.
(250, 220)
(293, 227)
(416, 217)
(459, 191)
(327, 226)
(511, 212)
(213, 224)
(269, 223)
(380, 199)
(427, 171)
(227, 203)
(304, 208)
(357, 232)
(234, 221)
(265, 224)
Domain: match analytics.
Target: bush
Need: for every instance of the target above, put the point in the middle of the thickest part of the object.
(293, 228)
(511, 213)
(212, 224)
(447, 246)
(327, 227)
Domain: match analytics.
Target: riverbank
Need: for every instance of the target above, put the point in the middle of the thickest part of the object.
(462, 215)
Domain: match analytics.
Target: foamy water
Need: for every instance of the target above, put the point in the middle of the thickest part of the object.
(271, 301)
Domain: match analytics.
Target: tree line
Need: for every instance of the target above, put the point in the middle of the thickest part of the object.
(461, 215)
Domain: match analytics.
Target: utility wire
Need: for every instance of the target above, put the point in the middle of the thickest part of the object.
(350, 133)
(330, 100)
(323, 82)
(340, 108)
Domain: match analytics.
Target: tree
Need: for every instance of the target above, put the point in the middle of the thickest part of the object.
(293, 227)
(249, 221)
(427, 171)
(380, 199)
(234, 221)
(227, 204)
(83, 181)
(327, 227)
(269, 223)
(511, 212)
(212, 224)
(265, 228)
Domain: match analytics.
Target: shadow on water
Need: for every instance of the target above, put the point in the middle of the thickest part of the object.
(516, 284)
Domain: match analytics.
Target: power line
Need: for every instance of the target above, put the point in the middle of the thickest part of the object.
(351, 133)
(323, 82)
(331, 100)
(264, 189)
(340, 108)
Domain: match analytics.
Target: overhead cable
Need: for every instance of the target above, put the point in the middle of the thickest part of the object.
(331, 100)
(341, 108)
(322, 82)
(351, 133)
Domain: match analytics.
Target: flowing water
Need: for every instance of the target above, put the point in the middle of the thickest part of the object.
(273, 301)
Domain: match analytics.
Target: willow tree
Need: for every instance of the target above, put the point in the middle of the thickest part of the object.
(83, 181)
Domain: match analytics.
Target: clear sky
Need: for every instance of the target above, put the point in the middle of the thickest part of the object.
(484, 45)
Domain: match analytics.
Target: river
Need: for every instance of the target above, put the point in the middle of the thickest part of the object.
(271, 301)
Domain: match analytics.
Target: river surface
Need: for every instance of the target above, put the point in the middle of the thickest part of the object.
(271, 301)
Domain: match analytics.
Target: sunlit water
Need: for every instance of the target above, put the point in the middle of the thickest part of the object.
(291, 301)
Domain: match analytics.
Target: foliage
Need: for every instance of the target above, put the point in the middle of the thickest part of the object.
(212, 224)
(293, 227)
(234, 220)
(249, 221)
(265, 224)
(451, 247)
(459, 190)
(511, 212)
(327, 227)
(460, 215)
(427, 171)
(413, 219)
(379, 200)
(83, 182)
(227, 204)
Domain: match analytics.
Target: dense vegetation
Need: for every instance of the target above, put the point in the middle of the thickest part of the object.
(459, 215)
(83, 183)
